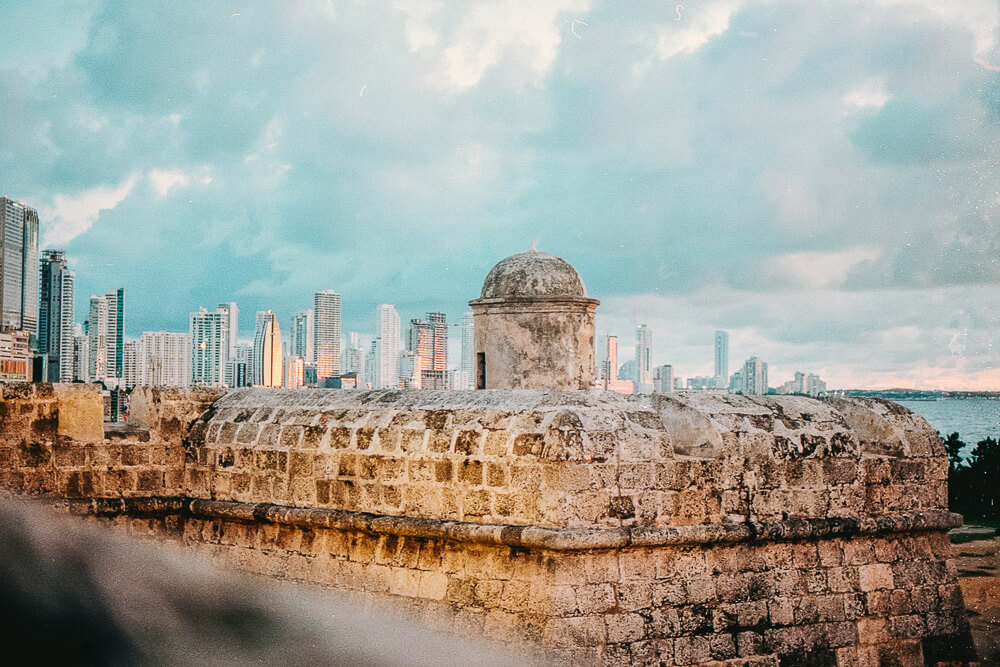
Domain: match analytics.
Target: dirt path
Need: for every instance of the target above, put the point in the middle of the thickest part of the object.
(979, 574)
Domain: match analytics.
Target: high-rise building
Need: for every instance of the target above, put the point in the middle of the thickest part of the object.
(611, 378)
(609, 367)
(233, 328)
(428, 339)
(326, 307)
(240, 367)
(106, 327)
(721, 359)
(97, 332)
(410, 369)
(114, 338)
(386, 368)
(643, 360)
(663, 379)
(467, 367)
(301, 336)
(81, 355)
(814, 385)
(267, 357)
(753, 378)
(295, 372)
(369, 379)
(165, 359)
(130, 364)
(19, 268)
(352, 359)
(55, 317)
(209, 333)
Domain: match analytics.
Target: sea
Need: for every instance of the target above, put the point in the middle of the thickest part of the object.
(974, 419)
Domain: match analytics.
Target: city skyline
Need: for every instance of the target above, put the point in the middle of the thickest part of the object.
(784, 172)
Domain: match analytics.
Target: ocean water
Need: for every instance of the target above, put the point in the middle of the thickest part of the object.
(973, 418)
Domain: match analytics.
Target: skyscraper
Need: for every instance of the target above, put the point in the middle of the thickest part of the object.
(753, 378)
(386, 371)
(428, 339)
(643, 361)
(663, 379)
(233, 327)
(19, 267)
(352, 359)
(300, 335)
(326, 307)
(267, 358)
(721, 359)
(81, 355)
(209, 333)
(165, 359)
(97, 332)
(467, 367)
(609, 367)
(114, 338)
(295, 373)
(130, 364)
(55, 325)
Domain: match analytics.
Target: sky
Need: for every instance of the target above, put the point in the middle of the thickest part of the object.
(818, 179)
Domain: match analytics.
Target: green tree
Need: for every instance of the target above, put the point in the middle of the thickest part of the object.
(984, 478)
(954, 446)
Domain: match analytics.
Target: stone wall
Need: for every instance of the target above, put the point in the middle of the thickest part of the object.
(679, 529)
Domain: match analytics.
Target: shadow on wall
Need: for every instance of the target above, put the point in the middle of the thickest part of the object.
(76, 594)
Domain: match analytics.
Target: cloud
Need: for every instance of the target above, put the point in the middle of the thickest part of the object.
(870, 94)
(696, 27)
(521, 36)
(68, 216)
(165, 180)
(820, 269)
(763, 160)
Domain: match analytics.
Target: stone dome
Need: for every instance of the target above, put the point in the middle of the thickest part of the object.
(533, 274)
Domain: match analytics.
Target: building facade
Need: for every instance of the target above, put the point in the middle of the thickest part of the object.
(326, 307)
(753, 378)
(55, 317)
(209, 336)
(114, 337)
(428, 340)
(15, 355)
(267, 357)
(386, 357)
(643, 360)
(663, 379)
(301, 335)
(165, 359)
(721, 359)
(97, 331)
(19, 273)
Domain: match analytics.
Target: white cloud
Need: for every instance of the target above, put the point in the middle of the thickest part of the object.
(980, 17)
(870, 94)
(68, 216)
(696, 28)
(820, 269)
(521, 36)
(165, 180)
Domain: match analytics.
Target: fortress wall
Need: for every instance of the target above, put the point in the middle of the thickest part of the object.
(53, 443)
(608, 528)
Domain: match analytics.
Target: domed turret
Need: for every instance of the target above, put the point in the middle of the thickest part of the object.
(534, 325)
(532, 274)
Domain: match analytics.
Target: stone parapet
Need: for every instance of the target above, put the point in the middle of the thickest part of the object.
(680, 529)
